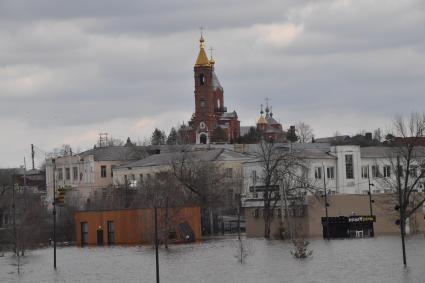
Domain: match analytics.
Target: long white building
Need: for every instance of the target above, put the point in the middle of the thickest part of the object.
(344, 169)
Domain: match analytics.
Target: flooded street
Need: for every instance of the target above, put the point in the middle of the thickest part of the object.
(360, 260)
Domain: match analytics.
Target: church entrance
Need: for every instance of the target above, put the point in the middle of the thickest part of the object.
(203, 139)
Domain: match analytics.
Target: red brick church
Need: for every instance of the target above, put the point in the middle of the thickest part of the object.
(211, 122)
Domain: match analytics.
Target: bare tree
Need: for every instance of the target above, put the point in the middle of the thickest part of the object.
(162, 191)
(24, 214)
(407, 159)
(377, 135)
(280, 167)
(204, 180)
(304, 132)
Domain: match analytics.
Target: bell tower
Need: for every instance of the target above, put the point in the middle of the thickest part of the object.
(211, 122)
(204, 122)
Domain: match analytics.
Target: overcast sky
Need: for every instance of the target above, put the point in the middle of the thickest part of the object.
(72, 69)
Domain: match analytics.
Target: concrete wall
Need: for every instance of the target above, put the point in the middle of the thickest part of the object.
(133, 226)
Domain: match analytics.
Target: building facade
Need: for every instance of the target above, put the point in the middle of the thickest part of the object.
(84, 173)
(308, 221)
(348, 173)
(136, 226)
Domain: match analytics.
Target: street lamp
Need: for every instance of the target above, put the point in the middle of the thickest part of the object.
(372, 232)
(54, 213)
(326, 203)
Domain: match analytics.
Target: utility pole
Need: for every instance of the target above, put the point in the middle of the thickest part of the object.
(14, 214)
(326, 203)
(54, 213)
(401, 209)
(370, 201)
(32, 156)
(156, 245)
(25, 174)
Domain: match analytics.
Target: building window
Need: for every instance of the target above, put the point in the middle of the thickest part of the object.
(112, 170)
(202, 103)
(103, 171)
(75, 173)
(229, 172)
(318, 173)
(60, 174)
(254, 176)
(330, 172)
(68, 173)
(349, 170)
(111, 233)
(141, 178)
(201, 79)
(84, 233)
(365, 171)
(400, 171)
(375, 171)
(387, 171)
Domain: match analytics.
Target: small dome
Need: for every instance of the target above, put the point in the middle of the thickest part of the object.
(261, 120)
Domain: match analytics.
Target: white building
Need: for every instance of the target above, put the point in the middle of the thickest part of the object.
(81, 174)
(345, 169)
(228, 161)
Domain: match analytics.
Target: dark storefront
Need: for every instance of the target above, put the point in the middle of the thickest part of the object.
(358, 226)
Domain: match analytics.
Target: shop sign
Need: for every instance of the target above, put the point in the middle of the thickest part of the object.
(367, 218)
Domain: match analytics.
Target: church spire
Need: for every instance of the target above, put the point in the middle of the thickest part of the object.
(202, 59)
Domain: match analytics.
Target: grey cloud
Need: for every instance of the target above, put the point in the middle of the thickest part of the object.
(72, 66)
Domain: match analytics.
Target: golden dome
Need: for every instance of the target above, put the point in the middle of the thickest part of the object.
(261, 120)
(202, 59)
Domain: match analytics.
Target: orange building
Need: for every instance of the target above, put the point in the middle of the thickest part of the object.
(136, 226)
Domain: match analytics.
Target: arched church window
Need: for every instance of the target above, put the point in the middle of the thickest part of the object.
(201, 79)
(202, 103)
(218, 103)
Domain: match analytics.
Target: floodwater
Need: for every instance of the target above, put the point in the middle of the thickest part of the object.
(356, 260)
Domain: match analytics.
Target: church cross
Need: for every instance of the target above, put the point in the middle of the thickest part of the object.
(211, 51)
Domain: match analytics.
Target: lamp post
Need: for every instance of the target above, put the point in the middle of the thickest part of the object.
(156, 246)
(326, 203)
(54, 213)
(372, 232)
